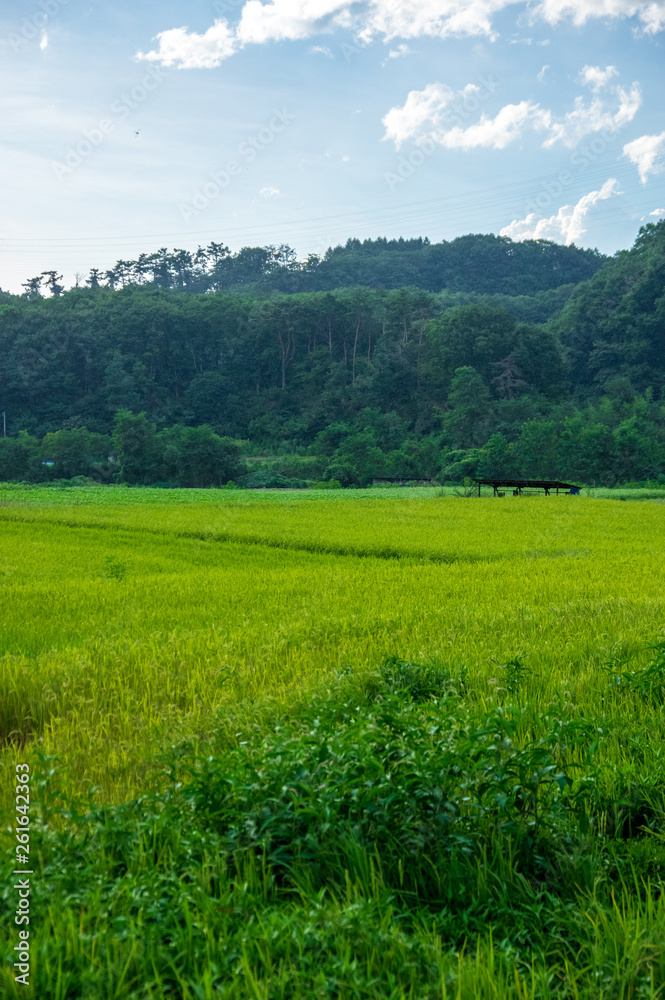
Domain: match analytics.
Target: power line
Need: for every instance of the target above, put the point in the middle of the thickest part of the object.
(408, 211)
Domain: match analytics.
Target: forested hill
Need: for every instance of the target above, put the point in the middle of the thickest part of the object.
(553, 379)
(614, 324)
(482, 264)
(475, 263)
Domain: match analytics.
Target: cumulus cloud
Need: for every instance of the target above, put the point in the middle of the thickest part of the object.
(567, 225)
(435, 114)
(422, 110)
(597, 78)
(178, 47)
(646, 154)
(278, 20)
(495, 133)
(658, 213)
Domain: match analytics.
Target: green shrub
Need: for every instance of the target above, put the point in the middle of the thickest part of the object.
(648, 681)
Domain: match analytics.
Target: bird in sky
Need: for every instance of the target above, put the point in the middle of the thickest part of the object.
(137, 131)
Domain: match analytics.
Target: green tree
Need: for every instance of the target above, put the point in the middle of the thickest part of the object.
(638, 453)
(136, 448)
(469, 414)
(20, 459)
(538, 451)
(119, 387)
(77, 452)
(497, 459)
(359, 452)
(197, 457)
(587, 451)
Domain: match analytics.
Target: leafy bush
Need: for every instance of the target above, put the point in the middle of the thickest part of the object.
(266, 479)
(420, 682)
(428, 788)
(648, 681)
(315, 852)
(327, 484)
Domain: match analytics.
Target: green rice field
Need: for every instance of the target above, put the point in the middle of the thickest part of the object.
(394, 743)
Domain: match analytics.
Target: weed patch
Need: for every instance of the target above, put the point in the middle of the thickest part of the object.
(391, 841)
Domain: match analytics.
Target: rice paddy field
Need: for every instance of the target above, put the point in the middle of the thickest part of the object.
(338, 744)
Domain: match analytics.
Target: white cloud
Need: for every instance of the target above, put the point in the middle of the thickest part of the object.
(595, 77)
(400, 51)
(541, 76)
(322, 50)
(422, 108)
(658, 213)
(368, 19)
(290, 19)
(495, 133)
(646, 154)
(43, 41)
(435, 113)
(651, 14)
(192, 51)
(594, 117)
(269, 192)
(427, 114)
(567, 225)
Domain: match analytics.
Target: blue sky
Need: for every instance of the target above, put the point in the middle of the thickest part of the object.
(309, 121)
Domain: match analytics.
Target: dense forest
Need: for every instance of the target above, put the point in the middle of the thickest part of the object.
(380, 359)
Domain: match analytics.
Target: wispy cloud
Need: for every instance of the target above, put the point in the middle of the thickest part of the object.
(269, 192)
(646, 153)
(401, 51)
(567, 225)
(596, 116)
(541, 76)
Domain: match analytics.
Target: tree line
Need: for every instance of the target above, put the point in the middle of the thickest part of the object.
(135, 453)
(486, 264)
(353, 383)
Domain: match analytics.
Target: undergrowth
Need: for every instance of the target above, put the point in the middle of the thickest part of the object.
(394, 838)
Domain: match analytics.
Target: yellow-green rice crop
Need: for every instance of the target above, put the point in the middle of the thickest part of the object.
(137, 632)
(124, 627)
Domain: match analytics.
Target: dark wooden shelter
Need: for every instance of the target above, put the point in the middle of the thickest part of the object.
(520, 487)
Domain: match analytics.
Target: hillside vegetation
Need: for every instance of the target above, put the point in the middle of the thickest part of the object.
(494, 358)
